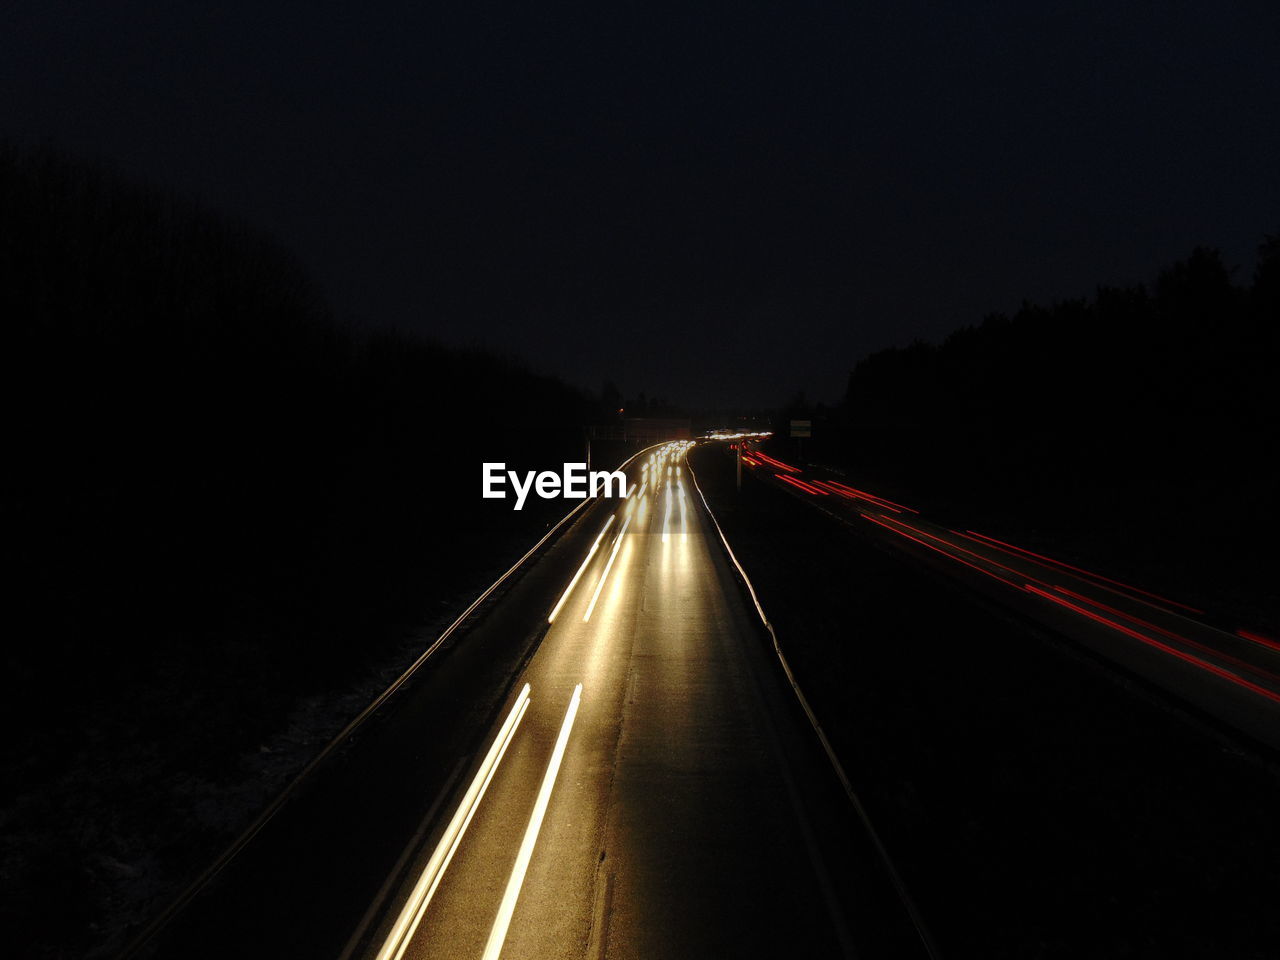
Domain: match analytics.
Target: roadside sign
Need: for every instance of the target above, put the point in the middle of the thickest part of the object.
(802, 428)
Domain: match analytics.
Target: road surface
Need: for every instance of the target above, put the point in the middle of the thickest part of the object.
(642, 784)
(638, 802)
(1230, 673)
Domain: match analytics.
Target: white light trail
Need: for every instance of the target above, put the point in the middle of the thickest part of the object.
(574, 582)
(666, 520)
(607, 567)
(406, 924)
(503, 921)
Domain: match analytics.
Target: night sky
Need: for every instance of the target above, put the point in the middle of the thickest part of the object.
(714, 203)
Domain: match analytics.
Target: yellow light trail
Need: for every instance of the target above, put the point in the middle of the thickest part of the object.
(406, 924)
(574, 582)
(666, 520)
(503, 921)
(607, 567)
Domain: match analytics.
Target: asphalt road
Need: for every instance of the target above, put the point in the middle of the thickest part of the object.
(643, 805)
(1039, 802)
(633, 779)
(1227, 672)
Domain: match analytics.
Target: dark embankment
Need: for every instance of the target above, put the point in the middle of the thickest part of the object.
(1131, 429)
(225, 521)
(1037, 805)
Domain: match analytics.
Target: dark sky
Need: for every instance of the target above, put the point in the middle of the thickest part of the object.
(716, 203)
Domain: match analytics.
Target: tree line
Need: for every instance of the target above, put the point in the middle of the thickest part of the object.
(217, 499)
(1146, 414)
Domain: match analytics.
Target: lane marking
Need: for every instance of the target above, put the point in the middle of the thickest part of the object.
(503, 921)
(411, 915)
(617, 542)
(574, 582)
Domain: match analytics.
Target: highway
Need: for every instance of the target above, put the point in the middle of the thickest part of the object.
(606, 760)
(639, 795)
(1227, 671)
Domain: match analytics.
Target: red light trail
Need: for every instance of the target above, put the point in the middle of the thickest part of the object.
(801, 484)
(1080, 570)
(1151, 634)
(1172, 651)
